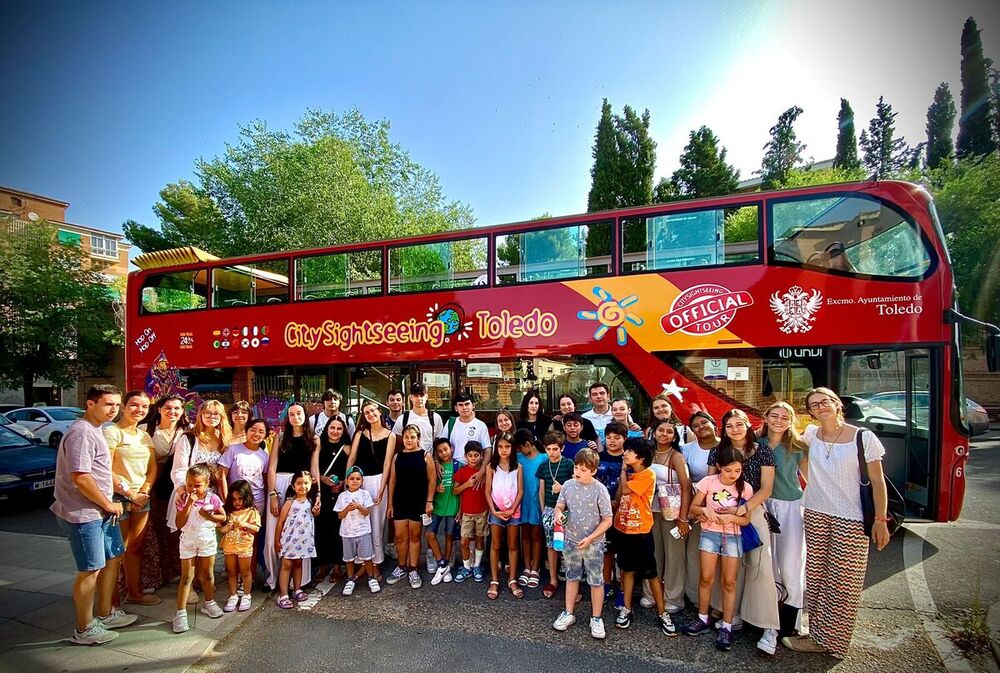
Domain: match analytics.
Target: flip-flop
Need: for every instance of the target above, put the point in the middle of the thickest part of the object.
(549, 590)
(285, 603)
(514, 589)
(493, 591)
(146, 599)
(532, 579)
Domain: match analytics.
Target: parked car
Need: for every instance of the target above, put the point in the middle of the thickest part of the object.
(895, 401)
(979, 420)
(48, 423)
(4, 408)
(26, 466)
(15, 427)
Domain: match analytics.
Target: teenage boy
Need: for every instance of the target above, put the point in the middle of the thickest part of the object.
(428, 421)
(83, 505)
(331, 409)
(608, 473)
(465, 427)
(600, 412)
(573, 427)
(445, 507)
(633, 537)
(472, 492)
(585, 507)
(552, 474)
(393, 402)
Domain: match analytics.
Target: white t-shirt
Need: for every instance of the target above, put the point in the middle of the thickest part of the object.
(600, 422)
(427, 433)
(321, 419)
(697, 460)
(834, 479)
(355, 524)
(463, 432)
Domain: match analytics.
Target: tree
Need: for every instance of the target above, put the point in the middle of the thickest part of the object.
(704, 171)
(783, 152)
(975, 137)
(884, 154)
(604, 176)
(847, 145)
(56, 311)
(940, 122)
(334, 179)
(995, 100)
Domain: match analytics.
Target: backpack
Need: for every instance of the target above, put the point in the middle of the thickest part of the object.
(433, 418)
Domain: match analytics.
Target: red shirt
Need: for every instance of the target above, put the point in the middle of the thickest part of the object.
(473, 499)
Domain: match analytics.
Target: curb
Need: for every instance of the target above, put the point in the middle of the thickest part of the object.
(993, 619)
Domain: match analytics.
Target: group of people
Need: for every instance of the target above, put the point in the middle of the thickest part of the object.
(593, 497)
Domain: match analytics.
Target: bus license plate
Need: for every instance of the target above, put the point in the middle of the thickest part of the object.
(44, 483)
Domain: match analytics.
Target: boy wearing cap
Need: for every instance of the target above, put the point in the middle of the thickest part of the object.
(353, 505)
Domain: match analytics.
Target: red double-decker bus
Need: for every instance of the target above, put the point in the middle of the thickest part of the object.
(727, 302)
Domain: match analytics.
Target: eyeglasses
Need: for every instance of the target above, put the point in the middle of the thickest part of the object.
(211, 414)
(822, 404)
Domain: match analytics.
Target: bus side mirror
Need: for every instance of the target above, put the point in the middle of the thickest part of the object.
(992, 348)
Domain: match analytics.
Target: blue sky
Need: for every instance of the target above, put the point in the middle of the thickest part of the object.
(108, 102)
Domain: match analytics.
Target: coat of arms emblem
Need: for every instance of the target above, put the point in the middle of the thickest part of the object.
(795, 309)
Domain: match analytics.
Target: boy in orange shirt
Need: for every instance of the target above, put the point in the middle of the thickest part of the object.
(633, 539)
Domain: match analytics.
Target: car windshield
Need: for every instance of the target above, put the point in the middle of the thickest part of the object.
(4, 420)
(65, 414)
(11, 440)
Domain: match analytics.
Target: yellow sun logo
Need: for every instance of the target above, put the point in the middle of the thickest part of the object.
(611, 313)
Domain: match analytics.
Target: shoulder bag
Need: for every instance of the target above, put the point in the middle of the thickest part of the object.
(896, 510)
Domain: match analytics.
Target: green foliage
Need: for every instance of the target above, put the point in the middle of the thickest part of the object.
(975, 137)
(604, 174)
(847, 145)
(807, 177)
(665, 191)
(940, 123)
(741, 225)
(57, 318)
(704, 171)
(783, 152)
(335, 179)
(884, 154)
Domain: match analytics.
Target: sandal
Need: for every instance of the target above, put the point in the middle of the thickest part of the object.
(549, 590)
(532, 579)
(300, 596)
(524, 578)
(285, 603)
(514, 589)
(493, 591)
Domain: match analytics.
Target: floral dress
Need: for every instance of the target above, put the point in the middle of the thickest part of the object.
(298, 536)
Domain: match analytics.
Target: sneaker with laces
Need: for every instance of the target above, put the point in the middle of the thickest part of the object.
(737, 623)
(447, 575)
(564, 621)
(396, 575)
(597, 628)
(439, 575)
(462, 574)
(117, 619)
(667, 625)
(245, 603)
(415, 581)
(768, 642)
(348, 588)
(647, 602)
(231, 604)
(181, 621)
(432, 563)
(696, 628)
(624, 618)
(477, 574)
(373, 585)
(94, 634)
(212, 609)
(724, 640)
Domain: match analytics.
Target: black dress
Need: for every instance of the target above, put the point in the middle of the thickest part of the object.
(329, 546)
(538, 427)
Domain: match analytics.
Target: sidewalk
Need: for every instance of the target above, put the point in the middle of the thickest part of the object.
(37, 618)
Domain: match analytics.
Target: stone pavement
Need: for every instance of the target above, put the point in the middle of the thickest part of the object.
(37, 618)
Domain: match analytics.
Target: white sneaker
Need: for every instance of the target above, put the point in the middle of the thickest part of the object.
(212, 609)
(737, 623)
(432, 562)
(447, 575)
(768, 642)
(94, 634)
(374, 585)
(348, 588)
(597, 628)
(438, 575)
(647, 602)
(245, 603)
(564, 621)
(117, 619)
(231, 604)
(415, 581)
(181, 621)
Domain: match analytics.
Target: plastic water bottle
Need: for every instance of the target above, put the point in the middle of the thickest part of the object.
(558, 536)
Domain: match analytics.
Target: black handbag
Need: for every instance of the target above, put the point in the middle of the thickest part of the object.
(896, 510)
(772, 523)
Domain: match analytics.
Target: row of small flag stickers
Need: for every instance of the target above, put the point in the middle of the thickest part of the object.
(252, 336)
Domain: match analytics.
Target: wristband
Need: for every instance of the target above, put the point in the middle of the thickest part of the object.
(882, 518)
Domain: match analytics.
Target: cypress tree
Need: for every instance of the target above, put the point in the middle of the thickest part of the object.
(782, 152)
(704, 171)
(975, 137)
(940, 123)
(884, 154)
(847, 145)
(604, 176)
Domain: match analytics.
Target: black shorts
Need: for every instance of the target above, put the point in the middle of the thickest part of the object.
(407, 515)
(635, 553)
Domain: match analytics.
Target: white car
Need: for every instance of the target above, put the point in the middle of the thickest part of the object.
(14, 427)
(48, 423)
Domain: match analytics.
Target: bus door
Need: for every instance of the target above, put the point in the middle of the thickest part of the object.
(440, 378)
(890, 391)
(373, 382)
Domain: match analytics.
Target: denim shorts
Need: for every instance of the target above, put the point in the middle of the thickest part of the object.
(435, 524)
(721, 544)
(548, 525)
(513, 521)
(585, 564)
(93, 543)
(129, 508)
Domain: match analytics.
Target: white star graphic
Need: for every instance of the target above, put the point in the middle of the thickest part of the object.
(673, 389)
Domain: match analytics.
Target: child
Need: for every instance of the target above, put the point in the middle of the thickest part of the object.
(552, 474)
(412, 483)
(530, 458)
(573, 427)
(473, 512)
(295, 537)
(504, 491)
(608, 473)
(445, 509)
(717, 499)
(585, 506)
(633, 537)
(353, 507)
(621, 412)
(198, 515)
(241, 528)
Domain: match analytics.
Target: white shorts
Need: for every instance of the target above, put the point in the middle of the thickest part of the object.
(200, 547)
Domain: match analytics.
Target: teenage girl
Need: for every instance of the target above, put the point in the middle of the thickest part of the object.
(334, 452)
(621, 412)
(530, 456)
(716, 500)
(567, 405)
(372, 450)
(412, 482)
(504, 423)
(662, 409)
(532, 417)
(165, 422)
(239, 414)
(504, 492)
(239, 533)
(295, 537)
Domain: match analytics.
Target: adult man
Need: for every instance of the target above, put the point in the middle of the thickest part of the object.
(331, 408)
(465, 427)
(83, 492)
(600, 414)
(394, 402)
(428, 421)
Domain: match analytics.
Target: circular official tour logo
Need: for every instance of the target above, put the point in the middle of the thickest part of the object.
(704, 309)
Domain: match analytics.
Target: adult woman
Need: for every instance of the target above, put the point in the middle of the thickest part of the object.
(133, 469)
(239, 414)
(836, 544)
(334, 452)
(785, 505)
(696, 452)
(202, 444)
(372, 449)
(759, 601)
(532, 417)
(247, 460)
(662, 409)
(297, 451)
(162, 561)
(567, 405)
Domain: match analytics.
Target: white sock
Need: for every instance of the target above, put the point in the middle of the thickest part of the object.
(703, 618)
(727, 625)
(468, 563)
(479, 557)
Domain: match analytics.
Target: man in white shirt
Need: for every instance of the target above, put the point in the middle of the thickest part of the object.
(331, 408)
(465, 427)
(600, 412)
(428, 421)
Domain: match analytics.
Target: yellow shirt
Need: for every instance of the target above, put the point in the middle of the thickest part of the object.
(130, 453)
